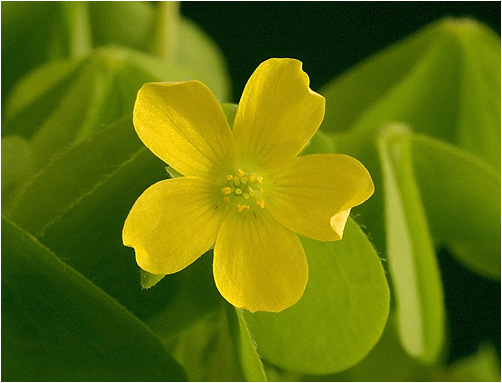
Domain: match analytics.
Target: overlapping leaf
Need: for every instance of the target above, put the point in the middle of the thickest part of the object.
(341, 315)
(57, 326)
(410, 251)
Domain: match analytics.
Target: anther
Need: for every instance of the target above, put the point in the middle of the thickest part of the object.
(251, 192)
(245, 195)
(242, 208)
(240, 172)
(262, 191)
(252, 177)
(261, 203)
(229, 177)
(238, 191)
(259, 179)
(244, 180)
(226, 190)
(226, 199)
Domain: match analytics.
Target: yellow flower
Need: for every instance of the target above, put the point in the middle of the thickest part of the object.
(244, 190)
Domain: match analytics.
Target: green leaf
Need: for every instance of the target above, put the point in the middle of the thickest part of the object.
(461, 195)
(341, 315)
(126, 24)
(24, 48)
(132, 24)
(77, 206)
(73, 176)
(57, 326)
(17, 167)
(129, 24)
(55, 111)
(410, 251)
(387, 362)
(444, 81)
(206, 350)
(199, 53)
(483, 366)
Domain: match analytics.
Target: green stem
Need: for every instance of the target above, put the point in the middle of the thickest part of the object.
(76, 16)
(166, 33)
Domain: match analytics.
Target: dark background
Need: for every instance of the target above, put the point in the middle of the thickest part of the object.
(329, 38)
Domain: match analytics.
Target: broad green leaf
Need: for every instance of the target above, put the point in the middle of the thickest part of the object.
(77, 207)
(410, 251)
(17, 167)
(129, 24)
(55, 111)
(23, 48)
(194, 297)
(444, 81)
(57, 326)
(216, 347)
(461, 195)
(126, 23)
(133, 25)
(387, 362)
(74, 175)
(341, 315)
(206, 350)
(479, 109)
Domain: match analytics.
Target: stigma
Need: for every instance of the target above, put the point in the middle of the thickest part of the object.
(244, 190)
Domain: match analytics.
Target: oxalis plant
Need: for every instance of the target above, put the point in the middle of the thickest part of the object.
(154, 231)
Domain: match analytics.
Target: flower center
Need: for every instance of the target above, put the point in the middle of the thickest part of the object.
(245, 190)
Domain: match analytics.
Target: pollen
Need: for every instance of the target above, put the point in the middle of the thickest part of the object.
(242, 208)
(243, 191)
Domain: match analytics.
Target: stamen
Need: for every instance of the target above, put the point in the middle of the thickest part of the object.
(240, 172)
(245, 195)
(226, 199)
(261, 203)
(244, 180)
(251, 192)
(236, 181)
(238, 191)
(242, 208)
(226, 190)
(229, 177)
(262, 191)
(252, 177)
(259, 179)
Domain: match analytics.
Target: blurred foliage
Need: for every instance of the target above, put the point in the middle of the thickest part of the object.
(423, 116)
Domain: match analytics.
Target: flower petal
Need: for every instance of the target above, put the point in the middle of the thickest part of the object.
(311, 195)
(278, 113)
(259, 265)
(183, 125)
(172, 223)
(338, 222)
